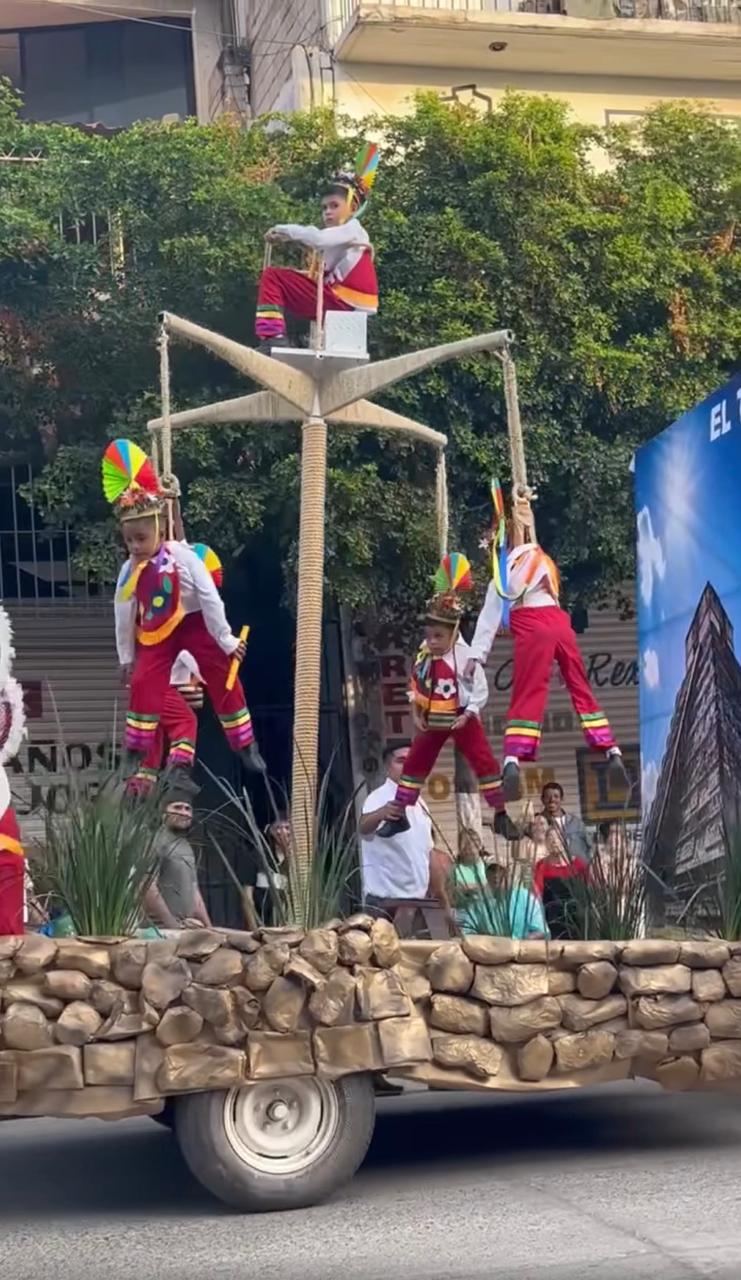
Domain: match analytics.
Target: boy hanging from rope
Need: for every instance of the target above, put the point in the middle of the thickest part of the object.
(167, 601)
(444, 703)
(341, 252)
(542, 633)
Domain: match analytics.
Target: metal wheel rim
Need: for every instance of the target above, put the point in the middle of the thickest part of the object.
(281, 1126)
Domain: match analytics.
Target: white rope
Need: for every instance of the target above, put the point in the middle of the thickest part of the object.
(166, 432)
(441, 503)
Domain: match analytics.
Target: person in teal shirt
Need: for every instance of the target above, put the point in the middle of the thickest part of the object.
(493, 899)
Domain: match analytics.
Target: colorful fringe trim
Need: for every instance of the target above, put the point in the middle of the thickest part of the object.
(182, 753)
(596, 729)
(491, 790)
(407, 792)
(522, 739)
(270, 321)
(140, 731)
(238, 729)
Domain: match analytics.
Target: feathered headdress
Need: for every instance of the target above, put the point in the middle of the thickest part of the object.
(130, 483)
(211, 561)
(7, 652)
(453, 577)
(12, 719)
(358, 184)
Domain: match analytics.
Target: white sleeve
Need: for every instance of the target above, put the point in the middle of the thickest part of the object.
(124, 613)
(479, 695)
(320, 238)
(211, 603)
(517, 579)
(487, 624)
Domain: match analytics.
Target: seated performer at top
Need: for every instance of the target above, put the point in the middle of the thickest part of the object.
(349, 275)
(542, 632)
(167, 601)
(444, 703)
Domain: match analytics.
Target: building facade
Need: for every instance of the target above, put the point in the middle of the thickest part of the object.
(111, 65)
(611, 60)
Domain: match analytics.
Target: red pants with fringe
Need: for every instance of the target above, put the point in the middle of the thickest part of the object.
(282, 289)
(472, 742)
(12, 875)
(151, 691)
(542, 636)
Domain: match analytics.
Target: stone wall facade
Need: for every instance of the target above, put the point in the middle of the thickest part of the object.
(111, 1027)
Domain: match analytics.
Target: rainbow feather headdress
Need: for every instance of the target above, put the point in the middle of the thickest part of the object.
(358, 183)
(130, 483)
(452, 578)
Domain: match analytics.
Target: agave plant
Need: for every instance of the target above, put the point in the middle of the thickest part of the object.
(309, 896)
(611, 901)
(98, 858)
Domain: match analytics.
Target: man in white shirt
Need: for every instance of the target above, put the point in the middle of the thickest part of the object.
(399, 866)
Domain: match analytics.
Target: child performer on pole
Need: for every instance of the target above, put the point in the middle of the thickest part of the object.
(166, 600)
(12, 728)
(444, 704)
(347, 273)
(542, 633)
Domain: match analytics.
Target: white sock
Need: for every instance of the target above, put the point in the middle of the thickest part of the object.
(510, 760)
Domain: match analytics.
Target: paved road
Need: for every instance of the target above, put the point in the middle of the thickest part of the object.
(621, 1183)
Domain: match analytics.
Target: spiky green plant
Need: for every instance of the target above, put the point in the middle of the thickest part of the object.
(331, 885)
(98, 858)
(611, 901)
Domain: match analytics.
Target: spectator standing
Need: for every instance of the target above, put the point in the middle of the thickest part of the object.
(174, 898)
(397, 866)
(271, 882)
(569, 827)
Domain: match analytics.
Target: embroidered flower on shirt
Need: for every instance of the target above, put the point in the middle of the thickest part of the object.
(445, 689)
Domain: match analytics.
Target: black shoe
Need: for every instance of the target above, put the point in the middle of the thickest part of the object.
(511, 781)
(617, 772)
(180, 786)
(393, 827)
(266, 348)
(505, 827)
(251, 759)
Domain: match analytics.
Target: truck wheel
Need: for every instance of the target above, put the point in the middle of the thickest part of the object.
(277, 1144)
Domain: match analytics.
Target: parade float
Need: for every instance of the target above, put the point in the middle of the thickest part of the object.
(260, 1048)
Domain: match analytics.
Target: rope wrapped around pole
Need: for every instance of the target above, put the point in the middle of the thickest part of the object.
(441, 503)
(514, 428)
(168, 481)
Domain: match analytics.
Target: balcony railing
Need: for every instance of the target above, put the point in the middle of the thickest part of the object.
(341, 12)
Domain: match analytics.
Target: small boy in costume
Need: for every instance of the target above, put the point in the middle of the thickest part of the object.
(444, 703)
(348, 278)
(167, 601)
(542, 633)
(12, 729)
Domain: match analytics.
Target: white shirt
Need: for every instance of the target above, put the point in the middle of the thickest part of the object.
(340, 246)
(535, 595)
(197, 592)
(473, 694)
(400, 866)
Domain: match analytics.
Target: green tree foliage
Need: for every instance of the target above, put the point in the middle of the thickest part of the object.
(622, 283)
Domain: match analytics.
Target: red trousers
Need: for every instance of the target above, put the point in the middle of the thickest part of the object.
(282, 289)
(472, 742)
(151, 692)
(542, 636)
(12, 875)
(175, 736)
